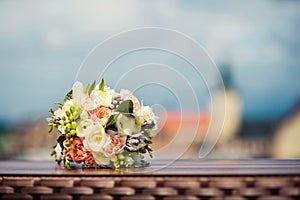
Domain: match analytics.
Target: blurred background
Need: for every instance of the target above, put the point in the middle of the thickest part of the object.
(255, 44)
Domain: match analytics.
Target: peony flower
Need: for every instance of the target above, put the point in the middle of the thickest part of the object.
(78, 152)
(95, 138)
(96, 99)
(100, 115)
(114, 144)
(127, 124)
(146, 114)
(102, 98)
(83, 99)
(125, 94)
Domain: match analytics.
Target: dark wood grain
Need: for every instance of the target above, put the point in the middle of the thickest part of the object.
(162, 167)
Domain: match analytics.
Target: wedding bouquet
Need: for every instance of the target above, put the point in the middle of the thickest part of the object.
(101, 128)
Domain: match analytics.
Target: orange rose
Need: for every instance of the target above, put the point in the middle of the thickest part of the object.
(100, 115)
(78, 152)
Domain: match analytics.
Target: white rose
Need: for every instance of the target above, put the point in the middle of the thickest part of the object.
(147, 115)
(95, 137)
(100, 158)
(84, 115)
(127, 125)
(83, 127)
(84, 142)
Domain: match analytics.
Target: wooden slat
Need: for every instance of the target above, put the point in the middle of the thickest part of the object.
(163, 167)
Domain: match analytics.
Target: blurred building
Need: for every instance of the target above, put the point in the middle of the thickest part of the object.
(28, 140)
(183, 134)
(287, 136)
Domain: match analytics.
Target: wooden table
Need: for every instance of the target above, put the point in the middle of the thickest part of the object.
(164, 179)
(164, 167)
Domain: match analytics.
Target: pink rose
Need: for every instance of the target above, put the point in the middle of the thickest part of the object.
(114, 144)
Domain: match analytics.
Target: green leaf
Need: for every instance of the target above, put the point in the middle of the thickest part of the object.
(149, 148)
(87, 88)
(125, 107)
(51, 111)
(67, 164)
(150, 154)
(111, 122)
(101, 85)
(69, 96)
(50, 129)
(53, 153)
(61, 138)
(90, 87)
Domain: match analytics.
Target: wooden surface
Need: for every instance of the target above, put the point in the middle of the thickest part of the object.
(162, 167)
(183, 179)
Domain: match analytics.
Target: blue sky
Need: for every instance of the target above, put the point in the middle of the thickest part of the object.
(42, 45)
